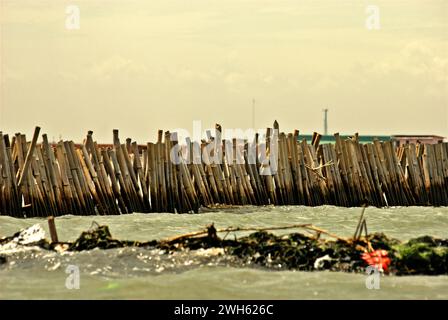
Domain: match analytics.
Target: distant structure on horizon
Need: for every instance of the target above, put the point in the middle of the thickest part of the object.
(423, 139)
(331, 139)
(325, 111)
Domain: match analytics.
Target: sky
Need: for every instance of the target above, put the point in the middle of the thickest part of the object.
(140, 66)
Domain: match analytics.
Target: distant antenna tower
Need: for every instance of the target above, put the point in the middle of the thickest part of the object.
(325, 121)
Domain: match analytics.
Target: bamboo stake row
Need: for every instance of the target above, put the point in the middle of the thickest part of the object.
(43, 179)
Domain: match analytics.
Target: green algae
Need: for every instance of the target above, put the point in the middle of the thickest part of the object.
(423, 255)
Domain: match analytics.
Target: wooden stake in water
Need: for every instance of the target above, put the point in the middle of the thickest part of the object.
(52, 227)
(359, 227)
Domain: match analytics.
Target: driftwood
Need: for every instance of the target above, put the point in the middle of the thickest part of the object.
(211, 230)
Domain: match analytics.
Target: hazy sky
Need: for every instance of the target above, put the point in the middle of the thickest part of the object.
(144, 65)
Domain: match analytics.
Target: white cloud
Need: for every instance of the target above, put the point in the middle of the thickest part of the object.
(116, 67)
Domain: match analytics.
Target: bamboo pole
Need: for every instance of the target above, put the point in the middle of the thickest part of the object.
(24, 170)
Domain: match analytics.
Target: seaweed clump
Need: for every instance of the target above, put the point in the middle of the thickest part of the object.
(297, 251)
(100, 237)
(424, 255)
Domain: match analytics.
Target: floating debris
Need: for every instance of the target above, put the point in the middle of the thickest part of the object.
(294, 251)
(25, 239)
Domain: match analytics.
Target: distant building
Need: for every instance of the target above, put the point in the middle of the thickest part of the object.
(400, 140)
(330, 139)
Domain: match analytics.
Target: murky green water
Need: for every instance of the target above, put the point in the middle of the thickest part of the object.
(132, 273)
